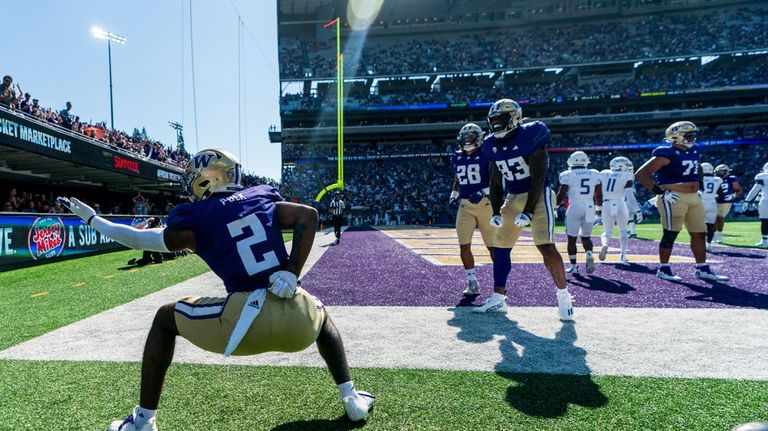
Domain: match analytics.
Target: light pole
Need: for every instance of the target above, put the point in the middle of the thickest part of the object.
(110, 37)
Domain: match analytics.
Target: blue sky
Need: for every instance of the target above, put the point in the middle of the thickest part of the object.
(50, 51)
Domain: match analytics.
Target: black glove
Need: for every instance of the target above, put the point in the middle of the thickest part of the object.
(453, 203)
(476, 197)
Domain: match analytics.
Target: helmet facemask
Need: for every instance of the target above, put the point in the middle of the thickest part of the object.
(470, 137)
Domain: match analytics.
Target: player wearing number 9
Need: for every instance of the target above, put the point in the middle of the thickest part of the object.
(237, 232)
(518, 155)
(673, 174)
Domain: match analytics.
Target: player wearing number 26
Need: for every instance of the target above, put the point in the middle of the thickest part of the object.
(518, 154)
(673, 174)
(237, 232)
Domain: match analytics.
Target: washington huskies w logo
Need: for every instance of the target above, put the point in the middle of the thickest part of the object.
(203, 160)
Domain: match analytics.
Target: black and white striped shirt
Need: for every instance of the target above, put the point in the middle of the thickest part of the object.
(337, 207)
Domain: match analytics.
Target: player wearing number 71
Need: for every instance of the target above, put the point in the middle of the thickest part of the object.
(237, 232)
(674, 175)
(518, 155)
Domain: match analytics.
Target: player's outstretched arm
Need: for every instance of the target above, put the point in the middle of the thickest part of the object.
(303, 220)
(139, 239)
(537, 162)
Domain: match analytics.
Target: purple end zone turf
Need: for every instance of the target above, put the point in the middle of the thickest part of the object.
(370, 268)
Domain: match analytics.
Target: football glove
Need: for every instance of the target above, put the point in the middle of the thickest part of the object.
(283, 284)
(523, 219)
(638, 216)
(453, 202)
(497, 220)
(78, 208)
(476, 197)
(671, 197)
(598, 220)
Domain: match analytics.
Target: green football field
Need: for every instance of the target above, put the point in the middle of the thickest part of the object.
(68, 395)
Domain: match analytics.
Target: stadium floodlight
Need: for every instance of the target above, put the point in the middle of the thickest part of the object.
(110, 37)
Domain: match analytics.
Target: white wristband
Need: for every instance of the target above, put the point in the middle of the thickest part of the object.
(454, 194)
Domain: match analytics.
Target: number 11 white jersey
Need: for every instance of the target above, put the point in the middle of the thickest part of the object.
(614, 183)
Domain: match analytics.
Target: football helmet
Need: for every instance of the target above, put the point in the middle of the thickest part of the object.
(504, 116)
(621, 163)
(722, 170)
(681, 133)
(765, 168)
(578, 159)
(208, 172)
(707, 169)
(470, 137)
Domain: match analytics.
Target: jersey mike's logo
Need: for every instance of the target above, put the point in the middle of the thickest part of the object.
(46, 237)
(203, 160)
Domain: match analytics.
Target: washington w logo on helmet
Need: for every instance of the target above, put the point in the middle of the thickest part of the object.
(208, 172)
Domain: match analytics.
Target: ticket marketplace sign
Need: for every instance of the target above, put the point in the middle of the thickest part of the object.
(32, 239)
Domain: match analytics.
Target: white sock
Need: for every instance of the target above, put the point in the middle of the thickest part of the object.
(143, 416)
(347, 389)
(631, 228)
(562, 291)
(471, 275)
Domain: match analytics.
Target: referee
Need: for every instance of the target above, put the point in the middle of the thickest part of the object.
(337, 214)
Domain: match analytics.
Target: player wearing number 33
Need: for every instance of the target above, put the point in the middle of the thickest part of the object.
(237, 232)
(470, 193)
(518, 155)
(674, 175)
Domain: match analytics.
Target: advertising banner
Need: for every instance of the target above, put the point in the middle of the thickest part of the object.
(33, 239)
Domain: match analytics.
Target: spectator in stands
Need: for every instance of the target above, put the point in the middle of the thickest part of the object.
(7, 207)
(25, 104)
(34, 109)
(66, 116)
(7, 94)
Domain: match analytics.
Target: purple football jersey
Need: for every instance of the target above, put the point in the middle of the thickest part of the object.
(683, 166)
(472, 171)
(238, 235)
(726, 188)
(511, 154)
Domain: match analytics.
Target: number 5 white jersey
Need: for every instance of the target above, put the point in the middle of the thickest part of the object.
(581, 184)
(614, 183)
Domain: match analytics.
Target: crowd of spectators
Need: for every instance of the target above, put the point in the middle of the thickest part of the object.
(138, 143)
(716, 74)
(621, 38)
(43, 201)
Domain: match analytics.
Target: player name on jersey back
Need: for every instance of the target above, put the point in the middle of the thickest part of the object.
(581, 183)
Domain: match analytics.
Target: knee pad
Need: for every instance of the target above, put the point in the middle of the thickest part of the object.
(668, 239)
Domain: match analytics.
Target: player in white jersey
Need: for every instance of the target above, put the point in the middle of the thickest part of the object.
(710, 184)
(761, 182)
(615, 181)
(633, 207)
(582, 186)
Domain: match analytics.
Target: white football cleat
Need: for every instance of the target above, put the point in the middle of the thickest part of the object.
(709, 246)
(473, 288)
(665, 273)
(718, 238)
(564, 305)
(127, 424)
(706, 273)
(762, 244)
(590, 263)
(358, 406)
(497, 303)
(623, 258)
(603, 253)
(573, 269)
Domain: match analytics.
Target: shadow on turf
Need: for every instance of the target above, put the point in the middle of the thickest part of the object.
(593, 282)
(717, 252)
(547, 374)
(342, 423)
(726, 294)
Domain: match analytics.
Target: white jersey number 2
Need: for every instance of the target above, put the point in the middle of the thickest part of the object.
(252, 266)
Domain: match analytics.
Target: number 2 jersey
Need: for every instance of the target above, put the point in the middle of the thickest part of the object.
(238, 235)
(683, 166)
(727, 188)
(581, 184)
(472, 172)
(511, 154)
